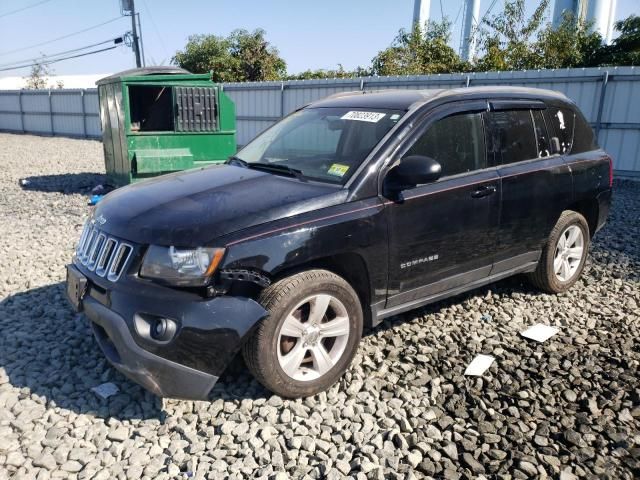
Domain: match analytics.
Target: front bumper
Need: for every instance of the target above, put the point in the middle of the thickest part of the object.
(209, 333)
(158, 375)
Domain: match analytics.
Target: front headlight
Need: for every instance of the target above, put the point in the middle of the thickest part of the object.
(184, 267)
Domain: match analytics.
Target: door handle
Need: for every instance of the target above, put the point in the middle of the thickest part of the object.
(484, 191)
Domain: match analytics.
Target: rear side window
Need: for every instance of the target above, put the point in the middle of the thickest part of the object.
(513, 137)
(583, 138)
(563, 120)
(455, 142)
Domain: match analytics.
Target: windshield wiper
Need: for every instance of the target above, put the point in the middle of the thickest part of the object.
(275, 168)
(237, 161)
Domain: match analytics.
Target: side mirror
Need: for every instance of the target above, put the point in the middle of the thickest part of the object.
(555, 145)
(414, 170)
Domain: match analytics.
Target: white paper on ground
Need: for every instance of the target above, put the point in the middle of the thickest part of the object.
(540, 332)
(105, 390)
(479, 365)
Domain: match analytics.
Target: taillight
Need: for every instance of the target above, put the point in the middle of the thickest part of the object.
(610, 172)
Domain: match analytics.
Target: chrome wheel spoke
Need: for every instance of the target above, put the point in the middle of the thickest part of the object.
(565, 269)
(575, 253)
(572, 237)
(335, 328)
(292, 327)
(557, 264)
(322, 361)
(291, 362)
(319, 305)
(562, 241)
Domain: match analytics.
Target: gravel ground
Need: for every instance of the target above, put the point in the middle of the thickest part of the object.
(567, 408)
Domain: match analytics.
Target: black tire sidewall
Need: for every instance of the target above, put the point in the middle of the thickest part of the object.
(278, 380)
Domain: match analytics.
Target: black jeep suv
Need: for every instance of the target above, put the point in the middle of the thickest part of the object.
(349, 210)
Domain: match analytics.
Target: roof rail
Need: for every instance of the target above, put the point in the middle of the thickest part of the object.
(344, 94)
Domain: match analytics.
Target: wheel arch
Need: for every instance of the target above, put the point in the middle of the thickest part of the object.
(350, 266)
(589, 209)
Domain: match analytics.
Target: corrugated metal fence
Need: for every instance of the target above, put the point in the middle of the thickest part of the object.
(609, 98)
(68, 113)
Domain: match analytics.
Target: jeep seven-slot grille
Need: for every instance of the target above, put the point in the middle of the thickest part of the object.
(105, 255)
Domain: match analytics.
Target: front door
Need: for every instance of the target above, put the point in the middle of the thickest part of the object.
(442, 235)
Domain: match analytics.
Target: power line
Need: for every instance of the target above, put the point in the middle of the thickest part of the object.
(21, 49)
(155, 28)
(24, 8)
(59, 59)
(458, 14)
(45, 57)
(487, 12)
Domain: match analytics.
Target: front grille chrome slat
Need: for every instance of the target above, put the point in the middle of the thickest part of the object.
(105, 255)
(119, 261)
(87, 246)
(83, 238)
(96, 251)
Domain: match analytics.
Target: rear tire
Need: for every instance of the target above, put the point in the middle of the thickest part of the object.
(310, 336)
(563, 257)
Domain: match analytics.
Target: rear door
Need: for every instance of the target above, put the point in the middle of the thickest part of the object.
(442, 235)
(535, 183)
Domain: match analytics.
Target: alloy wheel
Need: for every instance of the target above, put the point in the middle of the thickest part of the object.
(569, 252)
(313, 337)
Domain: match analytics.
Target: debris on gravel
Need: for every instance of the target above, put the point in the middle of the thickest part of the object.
(566, 408)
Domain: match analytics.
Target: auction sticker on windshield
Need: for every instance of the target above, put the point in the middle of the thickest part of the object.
(338, 170)
(372, 117)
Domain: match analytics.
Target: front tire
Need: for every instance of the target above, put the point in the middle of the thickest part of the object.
(310, 336)
(563, 257)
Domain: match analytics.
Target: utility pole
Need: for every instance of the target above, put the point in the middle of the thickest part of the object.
(470, 21)
(421, 13)
(144, 59)
(134, 29)
(128, 7)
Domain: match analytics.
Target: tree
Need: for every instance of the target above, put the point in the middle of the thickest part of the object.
(508, 43)
(241, 57)
(569, 45)
(419, 51)
(256, 59)
(625, 49)
(37, 80)
(323, 73)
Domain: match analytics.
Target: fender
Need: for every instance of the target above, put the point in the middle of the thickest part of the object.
(297, 242)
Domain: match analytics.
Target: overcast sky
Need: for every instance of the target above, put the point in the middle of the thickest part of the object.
(309, 34)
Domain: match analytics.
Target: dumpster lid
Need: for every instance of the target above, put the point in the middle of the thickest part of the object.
(140, 72)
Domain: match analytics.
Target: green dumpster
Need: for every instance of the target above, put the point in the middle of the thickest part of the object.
(163, 119)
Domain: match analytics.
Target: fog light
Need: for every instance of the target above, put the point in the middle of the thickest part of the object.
(160, 328)
(154, 327)
(163, 329)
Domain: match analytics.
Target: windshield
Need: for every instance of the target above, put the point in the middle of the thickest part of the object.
(324, 144)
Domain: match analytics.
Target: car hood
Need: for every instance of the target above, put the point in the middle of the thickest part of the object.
(195, 207)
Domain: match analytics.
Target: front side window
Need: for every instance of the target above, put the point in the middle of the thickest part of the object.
(323, 144)
(513, 137)
(455, 142)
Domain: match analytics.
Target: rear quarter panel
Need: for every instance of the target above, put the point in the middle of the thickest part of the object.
(590, 172)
